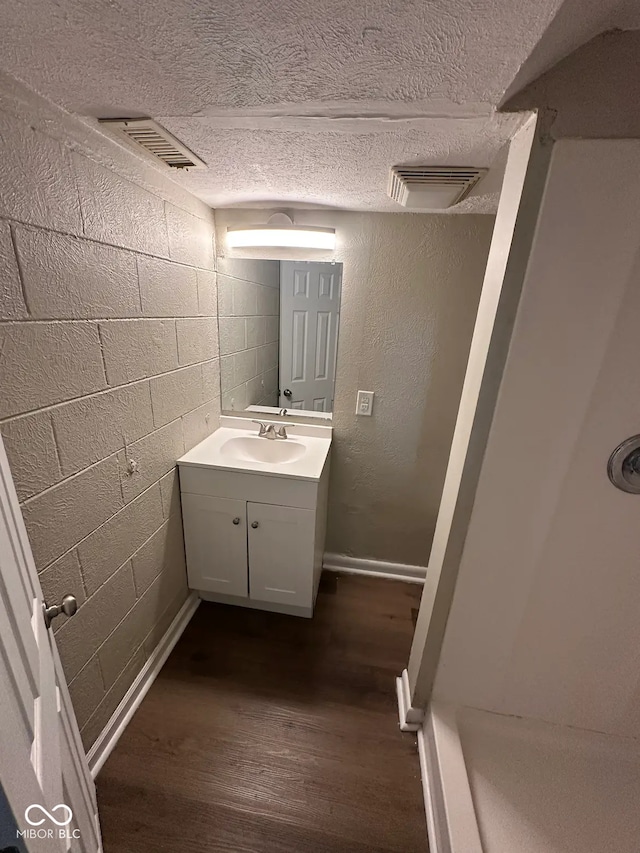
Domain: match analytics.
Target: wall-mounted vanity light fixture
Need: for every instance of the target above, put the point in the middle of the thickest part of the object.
(280, 232)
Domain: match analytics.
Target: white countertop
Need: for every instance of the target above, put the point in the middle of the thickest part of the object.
(211, 453)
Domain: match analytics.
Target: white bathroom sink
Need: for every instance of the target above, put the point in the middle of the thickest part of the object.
(236, 446)
(250, 448)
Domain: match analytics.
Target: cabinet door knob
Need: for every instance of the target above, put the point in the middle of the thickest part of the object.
(254, 524)
(236, 520)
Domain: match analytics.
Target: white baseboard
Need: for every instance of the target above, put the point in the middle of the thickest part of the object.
(410, 718)
(374, 568)
(452, 824)
(109, 736)
(433, 829)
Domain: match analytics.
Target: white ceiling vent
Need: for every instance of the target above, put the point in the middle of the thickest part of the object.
(147, 134)
(431, 187)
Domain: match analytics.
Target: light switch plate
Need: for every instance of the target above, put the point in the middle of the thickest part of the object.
(364, 404)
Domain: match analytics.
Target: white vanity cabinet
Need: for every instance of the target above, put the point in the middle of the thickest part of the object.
(253, 539)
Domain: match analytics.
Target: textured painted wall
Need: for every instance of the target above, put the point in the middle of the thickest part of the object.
(594, 93)
(249, 323)
(108, 353)
(411, 285)
(575, 23)
(557, 639)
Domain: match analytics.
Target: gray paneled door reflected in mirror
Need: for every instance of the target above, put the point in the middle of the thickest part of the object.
(278, 324)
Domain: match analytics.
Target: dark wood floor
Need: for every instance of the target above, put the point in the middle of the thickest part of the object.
(274, 734)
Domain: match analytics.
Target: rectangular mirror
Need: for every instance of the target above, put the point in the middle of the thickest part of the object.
(278, 324)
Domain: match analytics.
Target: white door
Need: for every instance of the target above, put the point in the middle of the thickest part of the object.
(44, 774)
(309, 317)
(281, 549)
(215, 534)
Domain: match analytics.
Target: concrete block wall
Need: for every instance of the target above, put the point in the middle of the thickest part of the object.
(109, 371)
(249, 320)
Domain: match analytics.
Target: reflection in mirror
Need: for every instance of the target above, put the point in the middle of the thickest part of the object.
(278, 324)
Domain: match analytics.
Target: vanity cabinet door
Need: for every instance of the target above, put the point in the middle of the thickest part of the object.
(215, 534)
(281, 550)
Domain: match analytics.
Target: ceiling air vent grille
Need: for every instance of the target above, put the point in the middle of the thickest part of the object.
(147, 134)
(432, 187)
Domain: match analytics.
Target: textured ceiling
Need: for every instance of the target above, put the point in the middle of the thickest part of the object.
(179, 57)
(307, 101)
(338, 167)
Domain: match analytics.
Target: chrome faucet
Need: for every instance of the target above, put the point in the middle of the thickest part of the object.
(271, 430)
(266, 430)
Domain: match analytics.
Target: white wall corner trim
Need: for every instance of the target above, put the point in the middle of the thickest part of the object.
(110, 735)
(410, 718)
(374, 568)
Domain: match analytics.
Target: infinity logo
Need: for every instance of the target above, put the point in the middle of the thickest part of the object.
(65, 809)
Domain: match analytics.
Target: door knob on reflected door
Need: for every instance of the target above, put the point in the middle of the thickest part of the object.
(236, 520)
(254, 524)
(68, 606)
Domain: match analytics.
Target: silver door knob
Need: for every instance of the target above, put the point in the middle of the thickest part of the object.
(254, 524)
(68, 606)
(236, 520)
